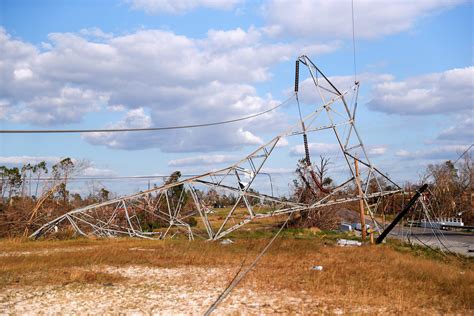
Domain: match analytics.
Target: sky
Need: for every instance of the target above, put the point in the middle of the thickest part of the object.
(146, 63)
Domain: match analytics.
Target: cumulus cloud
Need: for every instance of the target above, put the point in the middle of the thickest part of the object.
(441, 152)
(95, 32)
(332, 19)
(324, 149)
(68, 106)
(180, 6)
(88, 168)
(283, 142)
(445, 92)
(309, 94)
(462, 131)
(220, 39)
(274, 170)
(315, 148)
(377, 151)
(187, 140)
(23, 160)
(93, 171)
(174, 79)
(202, 160)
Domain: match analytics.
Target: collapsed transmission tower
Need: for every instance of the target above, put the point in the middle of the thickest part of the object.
(174, 203)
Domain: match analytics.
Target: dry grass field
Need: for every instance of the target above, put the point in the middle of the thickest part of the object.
(178, 276)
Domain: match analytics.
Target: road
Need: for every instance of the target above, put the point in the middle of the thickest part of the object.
(459, 242)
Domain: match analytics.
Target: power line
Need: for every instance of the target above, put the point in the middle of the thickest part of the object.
(455, 161)
(145, 129)
(239, 276)
(353, 42)
(144, 177)
(465, 152)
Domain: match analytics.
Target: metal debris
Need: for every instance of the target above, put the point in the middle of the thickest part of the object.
(227, 242)
(345, 228)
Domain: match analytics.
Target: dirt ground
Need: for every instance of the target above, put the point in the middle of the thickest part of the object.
(138, 278)
(158, 291)
(163, 291)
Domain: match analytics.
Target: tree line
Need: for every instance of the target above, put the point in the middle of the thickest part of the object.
(23, 189)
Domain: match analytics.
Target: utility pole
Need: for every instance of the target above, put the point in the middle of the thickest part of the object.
(402, 213)
(361, 201)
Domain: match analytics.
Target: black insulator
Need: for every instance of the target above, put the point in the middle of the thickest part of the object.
(297, 75)
(306, 149)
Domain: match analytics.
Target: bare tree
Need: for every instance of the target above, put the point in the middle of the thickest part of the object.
(322, 169)
(305, 191)
(450, 187)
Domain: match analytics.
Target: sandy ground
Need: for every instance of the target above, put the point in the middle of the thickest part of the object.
(44, 252)
(158, 291)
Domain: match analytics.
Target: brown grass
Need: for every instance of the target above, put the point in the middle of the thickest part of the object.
(389, 276)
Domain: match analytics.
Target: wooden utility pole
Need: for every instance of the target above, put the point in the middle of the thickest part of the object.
(361, 201)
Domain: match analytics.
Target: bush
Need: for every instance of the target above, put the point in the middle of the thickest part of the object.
(191, 221)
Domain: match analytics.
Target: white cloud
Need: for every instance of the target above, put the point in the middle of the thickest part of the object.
(332, 19)
(95, 32)
(22, 73)
(175, 79)
(88, 168)
(273, 170)
(315, 148)
(92, 171)
(116, 108)
(136, 118)
(377, 151)
(403, 153)
(68, 106)
(180, 6)
(23, 160)
(329, 149)
(283, 142)
(309, 94)
(4, 107)
(207, 140)
(446, 152)
(462, 131)
(446, 92)
(238, 37)
(202, 160)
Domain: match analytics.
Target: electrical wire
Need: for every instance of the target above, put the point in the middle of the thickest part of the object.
(353, 42)
(239, 276)
(145, 129)
(143, 177)
(455, 161)
(465, 152)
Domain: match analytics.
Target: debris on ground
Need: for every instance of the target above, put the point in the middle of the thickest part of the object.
(358, 226)
(317, 268)
(345, 227)
(348, 243)
(227, 242)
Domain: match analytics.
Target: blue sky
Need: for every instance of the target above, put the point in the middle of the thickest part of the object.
(140, 63)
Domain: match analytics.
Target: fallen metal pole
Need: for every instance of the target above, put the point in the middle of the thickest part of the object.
(401, 214)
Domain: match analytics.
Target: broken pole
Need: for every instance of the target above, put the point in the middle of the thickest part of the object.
(402, 213)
